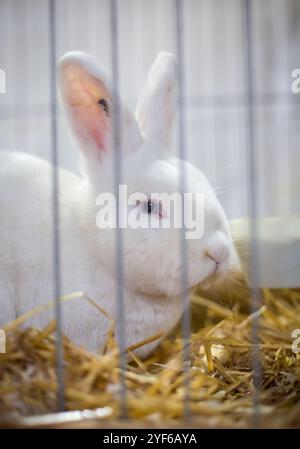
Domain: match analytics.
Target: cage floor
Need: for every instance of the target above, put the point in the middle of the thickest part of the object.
(220, 373)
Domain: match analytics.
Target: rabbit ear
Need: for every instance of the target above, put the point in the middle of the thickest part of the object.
(86, 97)
(157, 103)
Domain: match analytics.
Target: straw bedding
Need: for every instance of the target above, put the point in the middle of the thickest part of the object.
(220, 377)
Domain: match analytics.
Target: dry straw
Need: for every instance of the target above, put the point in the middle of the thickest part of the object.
(221, 384)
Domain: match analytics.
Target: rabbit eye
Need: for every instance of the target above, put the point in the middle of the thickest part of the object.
(151, 207)
(105, 106)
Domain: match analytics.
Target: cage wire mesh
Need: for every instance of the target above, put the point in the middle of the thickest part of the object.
(237, 116)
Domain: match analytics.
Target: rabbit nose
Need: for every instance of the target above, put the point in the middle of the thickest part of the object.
(218, 250)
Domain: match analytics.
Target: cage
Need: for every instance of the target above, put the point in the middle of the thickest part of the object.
(233, 359)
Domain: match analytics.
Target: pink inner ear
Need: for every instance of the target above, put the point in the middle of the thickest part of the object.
(81, 95)
(91, 126)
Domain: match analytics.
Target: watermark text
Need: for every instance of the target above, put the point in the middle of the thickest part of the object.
(156, 210)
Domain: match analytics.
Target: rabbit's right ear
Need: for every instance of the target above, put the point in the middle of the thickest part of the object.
(156, 107)
(86, 97)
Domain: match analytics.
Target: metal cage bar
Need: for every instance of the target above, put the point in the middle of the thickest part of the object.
(117, 156)
(186, 327)
(252, 198)
(55, 205)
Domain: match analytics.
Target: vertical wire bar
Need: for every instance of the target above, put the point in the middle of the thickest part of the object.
(116, 143)
(252, 198)
(186, 326)
(27, 21)
(293, 117)
(10, 52)
(55, 206)
(289, 115)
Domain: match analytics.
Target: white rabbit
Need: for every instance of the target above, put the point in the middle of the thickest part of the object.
(151, 258)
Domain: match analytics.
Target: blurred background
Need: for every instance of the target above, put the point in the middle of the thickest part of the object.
(215, 84)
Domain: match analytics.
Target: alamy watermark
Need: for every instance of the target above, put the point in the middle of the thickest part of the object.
(296, 341)
(2, 342)
(156, 210)
(2, 81)
(295, 86)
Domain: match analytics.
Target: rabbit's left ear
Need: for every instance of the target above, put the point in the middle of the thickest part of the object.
(156, 107)
(87, 98)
